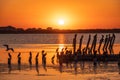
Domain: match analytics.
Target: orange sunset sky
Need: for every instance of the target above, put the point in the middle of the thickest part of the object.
(76, 14)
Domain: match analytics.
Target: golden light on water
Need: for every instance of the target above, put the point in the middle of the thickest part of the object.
(61, 46)
(61, 42)
(61, 38)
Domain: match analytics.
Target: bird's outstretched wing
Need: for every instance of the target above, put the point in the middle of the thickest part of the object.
(11, 49)
(5, 45)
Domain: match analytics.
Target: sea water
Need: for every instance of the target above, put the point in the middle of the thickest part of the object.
(35, 43)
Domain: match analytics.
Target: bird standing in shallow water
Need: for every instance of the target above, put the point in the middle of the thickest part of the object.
(52, 59)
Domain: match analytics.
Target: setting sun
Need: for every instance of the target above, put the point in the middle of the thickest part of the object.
(67, 14)
(61, 22)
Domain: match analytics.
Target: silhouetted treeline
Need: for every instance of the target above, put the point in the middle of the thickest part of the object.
(14, 30)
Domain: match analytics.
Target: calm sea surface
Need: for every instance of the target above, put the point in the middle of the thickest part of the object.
(48, 38)
(25, 43)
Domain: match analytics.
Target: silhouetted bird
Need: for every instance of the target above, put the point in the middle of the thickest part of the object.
(36, 62)
(19, 61)
(9, 62)
(74, 43)
(44, 59)
(80, 43)
(30, 60)
(87, 46)
(7, 48)
(52, 59)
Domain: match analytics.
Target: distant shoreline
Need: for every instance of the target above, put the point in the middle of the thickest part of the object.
(60, 31)
(13, 30)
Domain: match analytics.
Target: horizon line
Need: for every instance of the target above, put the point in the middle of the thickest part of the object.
(58, 28)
